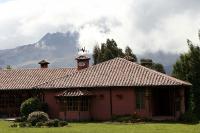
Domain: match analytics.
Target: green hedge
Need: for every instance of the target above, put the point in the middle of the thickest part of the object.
(32, 104)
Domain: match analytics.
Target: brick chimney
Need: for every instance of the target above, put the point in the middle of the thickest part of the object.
(82, 59)
(43, 64)
(146, 62)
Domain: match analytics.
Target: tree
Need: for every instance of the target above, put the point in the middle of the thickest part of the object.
(181, 68)
(158, 67)
(8, 67)
(150, 64)
(129, 52)
(187, 68)
(108, 50)
(96, 54)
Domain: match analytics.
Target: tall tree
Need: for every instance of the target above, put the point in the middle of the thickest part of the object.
(129, 52)
(8, 67)
(187, 68)
(96, 54)
(152, 65)
(107, 51)
(158, 67)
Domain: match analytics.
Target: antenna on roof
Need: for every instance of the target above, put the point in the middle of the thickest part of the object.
(82, 51)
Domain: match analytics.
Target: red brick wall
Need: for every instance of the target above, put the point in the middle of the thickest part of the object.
(49, 98)
(100, 104)
(75, 115)
(123, 103)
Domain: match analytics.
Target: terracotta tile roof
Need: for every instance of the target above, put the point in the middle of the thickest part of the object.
(74, 93)
(28, 78)
(115, 72)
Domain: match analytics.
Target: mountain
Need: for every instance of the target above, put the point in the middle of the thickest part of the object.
(60, 49)
(57, 48)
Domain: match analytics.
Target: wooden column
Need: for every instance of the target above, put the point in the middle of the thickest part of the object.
(182, 100)
(148, 102)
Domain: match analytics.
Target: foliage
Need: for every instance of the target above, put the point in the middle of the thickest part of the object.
(189, 117)
(158, 67)
(126, 118)
(52, 123)
(152, 65)
(181, 68)
(32, 104)
(14, 125)
(63, 123)
(22, 124)
(39, 124)
(110, 50)
(187, 68)
(8, 67)
(20, 119)
(129, 52)
(37, 116)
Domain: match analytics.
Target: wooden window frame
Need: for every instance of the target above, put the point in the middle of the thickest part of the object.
(139, 102)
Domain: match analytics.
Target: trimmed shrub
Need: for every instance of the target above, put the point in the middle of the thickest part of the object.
(30, 105)
(20, 119)
(14, 125)
(25, 124)
(63, 123)
(22, 124)
(37, 116)
(189, 117)
(52, 123)
(125, 118)
(39, 124)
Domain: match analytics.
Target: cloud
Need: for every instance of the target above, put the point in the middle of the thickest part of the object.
(144, 25)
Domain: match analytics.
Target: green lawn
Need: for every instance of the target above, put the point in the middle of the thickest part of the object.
(106, 128)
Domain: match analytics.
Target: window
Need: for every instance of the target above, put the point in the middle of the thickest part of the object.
(72, 103)
(140, 99)
(75, 104)
(84, 104)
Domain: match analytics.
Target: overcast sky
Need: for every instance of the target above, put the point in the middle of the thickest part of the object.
(151, 25)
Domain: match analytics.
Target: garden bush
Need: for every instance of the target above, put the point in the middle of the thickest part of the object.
(63, 123)
(125, 118)
(20, 119)
(52, 123)
(37, 116)
(189, 117)
(39, 124)
(55, 123)
(30, 105)
(25, 124)
(14, 125)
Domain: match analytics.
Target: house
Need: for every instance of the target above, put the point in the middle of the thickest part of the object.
(114, 87)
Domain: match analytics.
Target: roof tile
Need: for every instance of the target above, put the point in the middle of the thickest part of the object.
(115, 72)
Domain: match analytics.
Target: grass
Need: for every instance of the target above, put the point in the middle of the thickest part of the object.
(107, 128)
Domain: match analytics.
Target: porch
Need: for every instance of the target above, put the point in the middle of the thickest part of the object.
(74, 105)
(166, 103)
(11, 100)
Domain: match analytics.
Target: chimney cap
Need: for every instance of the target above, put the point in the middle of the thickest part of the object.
(82, 57)
(43, 62)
